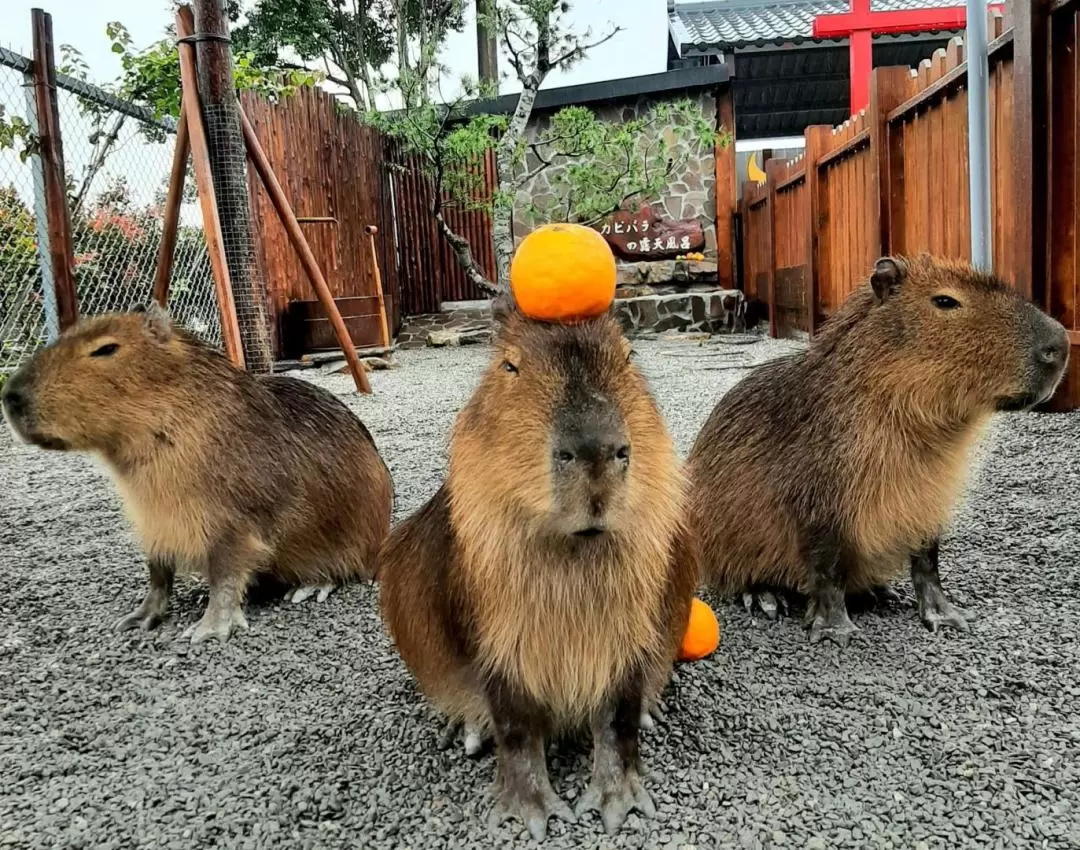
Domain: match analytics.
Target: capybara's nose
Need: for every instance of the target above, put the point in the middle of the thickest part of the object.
(1054, 353)
(14, 402)
(593, 451)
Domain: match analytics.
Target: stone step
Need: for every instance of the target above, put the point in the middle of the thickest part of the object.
(707, 311)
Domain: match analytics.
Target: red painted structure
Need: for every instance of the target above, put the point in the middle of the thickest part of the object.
(861, 24)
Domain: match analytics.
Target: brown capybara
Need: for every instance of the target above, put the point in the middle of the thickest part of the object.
(224, 474)
(823, 472)
(547, 584)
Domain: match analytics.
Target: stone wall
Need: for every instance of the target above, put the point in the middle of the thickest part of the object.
(692, 193)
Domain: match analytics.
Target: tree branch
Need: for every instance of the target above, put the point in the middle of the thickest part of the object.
(581, 49)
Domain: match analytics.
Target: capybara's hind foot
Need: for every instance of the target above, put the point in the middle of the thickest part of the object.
(770, 603)
(147, 616)
(475, 739)
(522, 790)
(936, 610)
(832, 623)
(614, 795)
(652, 712)
(886, 595)
(300, 594)
(217, 622)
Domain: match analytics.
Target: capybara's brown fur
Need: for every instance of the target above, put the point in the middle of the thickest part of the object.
(547, 584)
(222, 473)
(826, 471)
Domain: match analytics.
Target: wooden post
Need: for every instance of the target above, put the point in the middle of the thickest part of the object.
(51, 153)
(228, 165)
(371, 230)
(1031, 148)
(171, 223)
(307, 258)
(726, 193)
(204, 181)
(888, 89)
(772, 169)
(816, 139)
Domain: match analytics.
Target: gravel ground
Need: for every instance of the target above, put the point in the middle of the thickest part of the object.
(307, 732)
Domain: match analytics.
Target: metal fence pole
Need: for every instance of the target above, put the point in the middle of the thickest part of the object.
(978, 134)
(48, 289)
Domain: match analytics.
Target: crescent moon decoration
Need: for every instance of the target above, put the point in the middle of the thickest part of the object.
(754, 171)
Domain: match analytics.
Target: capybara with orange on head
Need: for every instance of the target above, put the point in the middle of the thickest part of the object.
(223, 473)
(547, 584)
(824, 472)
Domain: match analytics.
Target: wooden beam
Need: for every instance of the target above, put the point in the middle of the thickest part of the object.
(888, 89)
(384, 328)
(51, 153)
(772, 175)
(1031, 148)
(171, 224)
(726, 192)
(307, 258)
(204, 181)
(816, 141)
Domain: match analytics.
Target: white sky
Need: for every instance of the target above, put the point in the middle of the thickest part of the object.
(640, 49)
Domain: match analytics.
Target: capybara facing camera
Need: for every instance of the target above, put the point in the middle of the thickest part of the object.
(223, 473)
(546, 585)
(825, 471)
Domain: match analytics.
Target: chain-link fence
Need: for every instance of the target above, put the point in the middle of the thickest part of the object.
(118, 160)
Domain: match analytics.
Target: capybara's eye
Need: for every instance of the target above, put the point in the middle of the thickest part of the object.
(945, 302)
(106, 350)
(509, 367)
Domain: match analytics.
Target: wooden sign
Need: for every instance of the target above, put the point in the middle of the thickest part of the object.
(643, 235)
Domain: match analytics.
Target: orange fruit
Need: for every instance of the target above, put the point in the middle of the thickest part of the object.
(702, 634)
(563, 273)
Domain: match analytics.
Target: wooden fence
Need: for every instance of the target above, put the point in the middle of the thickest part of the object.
(430, 271)
(341, 176)
(894, 180)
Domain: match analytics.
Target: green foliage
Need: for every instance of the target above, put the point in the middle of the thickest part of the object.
(607, 165)
(15, 134)
(115, 251)
(353, 41)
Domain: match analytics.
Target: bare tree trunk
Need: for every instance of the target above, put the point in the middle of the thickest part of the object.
(460, 246)
(502, 224)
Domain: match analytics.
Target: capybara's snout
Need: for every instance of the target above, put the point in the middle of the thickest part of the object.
(1048, 355)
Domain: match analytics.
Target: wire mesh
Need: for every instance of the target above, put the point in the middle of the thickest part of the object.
(117, 173)
(22, 312)
(228, 160)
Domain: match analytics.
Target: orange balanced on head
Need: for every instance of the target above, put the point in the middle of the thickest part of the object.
(563, 273)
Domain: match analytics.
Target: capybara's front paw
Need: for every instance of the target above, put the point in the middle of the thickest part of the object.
(614, 797)
(147, 616)
(835, 625)
(217, 623)
(533, 802)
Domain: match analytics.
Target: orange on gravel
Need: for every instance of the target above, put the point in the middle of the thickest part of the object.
(563, 273)
(702, 633)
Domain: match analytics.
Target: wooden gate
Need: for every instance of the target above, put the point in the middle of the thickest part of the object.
(331, 168)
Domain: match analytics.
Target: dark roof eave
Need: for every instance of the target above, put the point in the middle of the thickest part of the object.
(688, 48)
(682, 79)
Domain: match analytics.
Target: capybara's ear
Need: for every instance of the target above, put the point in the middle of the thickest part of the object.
(888, 276)
(157, 322)
(503, 306)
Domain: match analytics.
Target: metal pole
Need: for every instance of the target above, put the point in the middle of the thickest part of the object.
(48, 290)
(978, 134)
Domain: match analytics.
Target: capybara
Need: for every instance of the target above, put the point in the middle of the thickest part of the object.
(225, 474)
(824, 472)
(547, 583)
